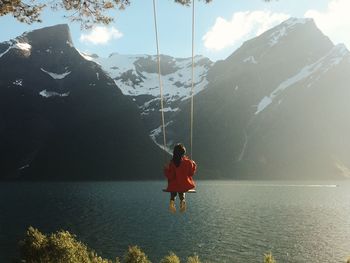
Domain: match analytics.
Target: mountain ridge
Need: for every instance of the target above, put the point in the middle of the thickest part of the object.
(265, 112)
(63, 118)
(237, 118)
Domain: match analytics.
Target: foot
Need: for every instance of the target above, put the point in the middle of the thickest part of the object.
(172, 207)
(182, 206)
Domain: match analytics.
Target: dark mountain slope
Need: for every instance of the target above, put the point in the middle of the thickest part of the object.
(63, 118)
(275, 108)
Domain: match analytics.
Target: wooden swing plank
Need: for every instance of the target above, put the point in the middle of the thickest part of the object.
(191, 191)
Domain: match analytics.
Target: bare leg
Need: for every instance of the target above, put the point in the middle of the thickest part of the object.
(172, 207)
(173, 196)
(182, 202)
(182, 196)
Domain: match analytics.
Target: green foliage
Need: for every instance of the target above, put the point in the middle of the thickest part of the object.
(90, 12)
(268, 258)
(59, 247)
(135, 255)
(86, 12)
(171, 258)
(193, 259)
(63, 247)
(23, 12)
(188, 2)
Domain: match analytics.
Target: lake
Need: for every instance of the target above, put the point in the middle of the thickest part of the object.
(226, 221)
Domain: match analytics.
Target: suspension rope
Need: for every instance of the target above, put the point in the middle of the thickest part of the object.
(161, 84)
(159, 78)
(192, 86)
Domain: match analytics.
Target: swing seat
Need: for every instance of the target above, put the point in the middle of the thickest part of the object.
(191, 191)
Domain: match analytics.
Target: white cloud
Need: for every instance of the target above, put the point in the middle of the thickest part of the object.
(101, 35)
(335, 21)
(242, 26)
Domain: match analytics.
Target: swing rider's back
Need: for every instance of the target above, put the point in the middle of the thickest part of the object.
(180, 173)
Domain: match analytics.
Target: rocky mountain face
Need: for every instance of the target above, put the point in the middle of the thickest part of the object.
(137, 77)
(276, 108)
(62, 117)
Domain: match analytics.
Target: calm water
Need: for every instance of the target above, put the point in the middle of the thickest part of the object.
(226, 221)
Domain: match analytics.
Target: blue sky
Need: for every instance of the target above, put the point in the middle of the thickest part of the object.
(221, 26)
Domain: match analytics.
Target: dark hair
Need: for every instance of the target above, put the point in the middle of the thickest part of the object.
(178, 153)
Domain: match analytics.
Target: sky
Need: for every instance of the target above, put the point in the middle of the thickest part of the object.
(220, 27)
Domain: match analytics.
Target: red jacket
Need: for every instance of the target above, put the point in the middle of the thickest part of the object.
(180, 178)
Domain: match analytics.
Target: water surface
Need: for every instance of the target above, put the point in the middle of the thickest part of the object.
(226, 221)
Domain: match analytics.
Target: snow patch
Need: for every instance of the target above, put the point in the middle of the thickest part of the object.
(324, 64)
(18, 45)
(56, 75)
(85, 56)
(69, 43)
(117, 64)
(169, 109)
(291, 22)
(250, 59)
(266, 101)
(337, 54)
(23, 167)
(49, 94)
(283, 29)
(156, 132)
(7, 50)
(23, 46)
(18, 82)
(175, 85)
(148, 103)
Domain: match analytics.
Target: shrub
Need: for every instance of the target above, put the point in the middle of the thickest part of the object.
(135, 255)
(63, 247)
(59, 247)
(193, 259)
(268, 258)
(171, 258)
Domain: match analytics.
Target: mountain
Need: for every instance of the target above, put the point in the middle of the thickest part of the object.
(137, 77)
(277, 108)
(265, 112)
(63, 118)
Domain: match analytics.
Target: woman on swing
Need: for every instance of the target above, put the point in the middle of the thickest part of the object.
(179, 172)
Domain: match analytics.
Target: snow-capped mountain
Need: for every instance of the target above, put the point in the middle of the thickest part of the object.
(137, 77)
(63, 118)
(276, 108)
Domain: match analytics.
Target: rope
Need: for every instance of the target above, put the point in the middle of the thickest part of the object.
(161, 84)
(159, 78)
(192, 87)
